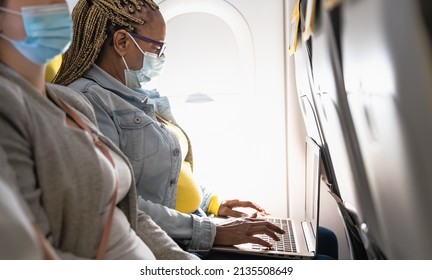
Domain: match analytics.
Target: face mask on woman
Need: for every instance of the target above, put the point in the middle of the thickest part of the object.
(152, 68)
(48, 32)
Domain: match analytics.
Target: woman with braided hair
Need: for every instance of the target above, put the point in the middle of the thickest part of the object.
(117, 45)
(77, 185)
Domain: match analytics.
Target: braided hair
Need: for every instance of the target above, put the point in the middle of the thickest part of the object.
(95, 21)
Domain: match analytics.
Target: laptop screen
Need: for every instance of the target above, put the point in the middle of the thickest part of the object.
(312, 182)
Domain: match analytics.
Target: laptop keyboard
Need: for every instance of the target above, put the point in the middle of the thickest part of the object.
(287, 241)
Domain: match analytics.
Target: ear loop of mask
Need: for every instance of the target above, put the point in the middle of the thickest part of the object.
(131, 79)
(136, 44)
(124, 61)
(10, 11)
(126, 70)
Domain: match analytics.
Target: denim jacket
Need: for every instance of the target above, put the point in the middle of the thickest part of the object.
(128, 118)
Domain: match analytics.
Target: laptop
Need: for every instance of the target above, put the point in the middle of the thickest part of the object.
(300, 240)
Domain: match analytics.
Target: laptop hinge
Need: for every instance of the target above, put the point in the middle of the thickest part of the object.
(309, 236)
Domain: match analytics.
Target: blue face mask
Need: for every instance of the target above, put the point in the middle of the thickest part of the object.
(152, 68)
(48, 29)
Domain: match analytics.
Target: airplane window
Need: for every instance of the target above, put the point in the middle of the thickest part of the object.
(209, 41)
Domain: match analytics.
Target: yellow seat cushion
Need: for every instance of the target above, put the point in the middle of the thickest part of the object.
(52, 68)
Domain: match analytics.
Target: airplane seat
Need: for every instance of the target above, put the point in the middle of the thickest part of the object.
(386, 68)
(426, 9)
(337, 126)
(303, 77)
(305, 74)
(302, 68)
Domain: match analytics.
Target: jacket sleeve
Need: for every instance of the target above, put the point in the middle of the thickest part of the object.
(195, 233)
(207, 198)
(162, 246)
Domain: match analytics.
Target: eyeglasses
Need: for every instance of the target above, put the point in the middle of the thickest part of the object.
(161, 45)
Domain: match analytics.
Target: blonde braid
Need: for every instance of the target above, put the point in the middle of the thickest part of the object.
(92, 19)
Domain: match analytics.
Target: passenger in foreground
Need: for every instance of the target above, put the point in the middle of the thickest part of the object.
(77, 184)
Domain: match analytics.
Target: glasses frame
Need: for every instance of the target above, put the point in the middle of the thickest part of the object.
(162, 45)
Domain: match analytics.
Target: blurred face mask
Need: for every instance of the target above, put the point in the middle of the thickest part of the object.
(48, 32)
(152, 68)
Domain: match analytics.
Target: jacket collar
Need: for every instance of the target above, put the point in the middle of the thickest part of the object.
(106, 81)
(136, 97)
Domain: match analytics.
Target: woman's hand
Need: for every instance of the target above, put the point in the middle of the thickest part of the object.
(242, 231)
(226, 209)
